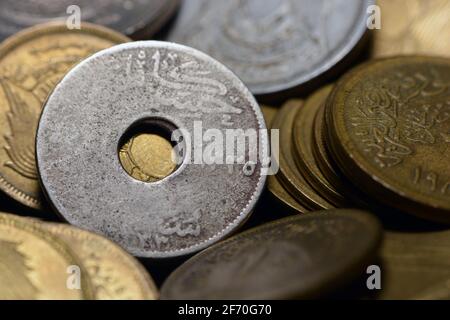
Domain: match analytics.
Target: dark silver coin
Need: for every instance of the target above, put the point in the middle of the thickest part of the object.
(306, 256)
(135, 18)
(273, 45)
(159, 84)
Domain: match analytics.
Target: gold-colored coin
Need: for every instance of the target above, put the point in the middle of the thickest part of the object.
(31, 63)
(289, 176)
(276, 189)
(303, 146)
(413, 27)
(389, 131)
(114, 274)
(415, 266)
(269, 114)
(148, 157)
(36, 265)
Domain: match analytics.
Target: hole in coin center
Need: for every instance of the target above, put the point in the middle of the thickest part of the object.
(146, 151)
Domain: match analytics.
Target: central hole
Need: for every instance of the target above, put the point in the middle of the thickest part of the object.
(146, 152)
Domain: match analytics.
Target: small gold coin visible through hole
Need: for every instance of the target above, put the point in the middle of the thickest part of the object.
(147, 157)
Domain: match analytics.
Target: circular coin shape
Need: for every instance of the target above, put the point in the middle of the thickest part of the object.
(273, 45)
(114, 274)
(389, 131)
(31, 63)
(135, 18)
(34, 264)
(304, 256)
(159, 84)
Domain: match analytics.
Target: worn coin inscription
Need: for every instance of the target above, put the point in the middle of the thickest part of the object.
(391, 120)
(303, 257)
(117, 88)
(31, 63)
(128, 17)
(273, 45)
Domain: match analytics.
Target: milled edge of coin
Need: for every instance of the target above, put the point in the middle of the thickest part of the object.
(23, 36)
(339, 148)
(139, 273)
(35, 227)
(246, 211)
(361, 215)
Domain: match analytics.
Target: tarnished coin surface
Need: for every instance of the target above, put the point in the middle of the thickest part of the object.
(282, 195)
(35, 265)
(170, 87)
(413, 27)
(415, 266)
(273, 45)
(31, 63)
(135, 18)
(304, 256)
(388, 129)
(114, 274)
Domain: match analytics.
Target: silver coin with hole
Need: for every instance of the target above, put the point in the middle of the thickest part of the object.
(166, 88)
(274, 46)
(135, 18)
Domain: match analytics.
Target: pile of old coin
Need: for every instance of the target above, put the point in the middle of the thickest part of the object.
(89, 133)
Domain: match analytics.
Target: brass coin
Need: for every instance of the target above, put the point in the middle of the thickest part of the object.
(303, 146)
(115, 275)
(413, 27)
(289, 175)
(415, 265)
(31, 63)
(34, 264)
(276, 189)
(148, 157)
(389, 131)
(269, 114)
(303, 256)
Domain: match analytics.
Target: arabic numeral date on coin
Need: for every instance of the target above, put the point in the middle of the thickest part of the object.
(244, 309)
(431, 179)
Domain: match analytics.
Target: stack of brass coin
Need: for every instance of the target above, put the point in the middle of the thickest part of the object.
(55, 261)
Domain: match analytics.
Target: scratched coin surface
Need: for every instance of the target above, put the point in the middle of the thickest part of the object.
(135, 18)
(169, 87)
(114, 273)
(389, 131)
(31, 63)
(34, 264)
(304, 256)
(413, 27)
(273, 45)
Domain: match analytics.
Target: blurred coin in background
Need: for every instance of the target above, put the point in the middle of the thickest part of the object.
(274, 46)
(134, 18)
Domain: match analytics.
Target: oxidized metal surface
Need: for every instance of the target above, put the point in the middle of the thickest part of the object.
(114, 274)
(31, 63)
(304, 256)
(389, 131)
(276, 189)
(273, 45)
(34, 263)
(93, 107)
(413, 27)
(129, 17)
